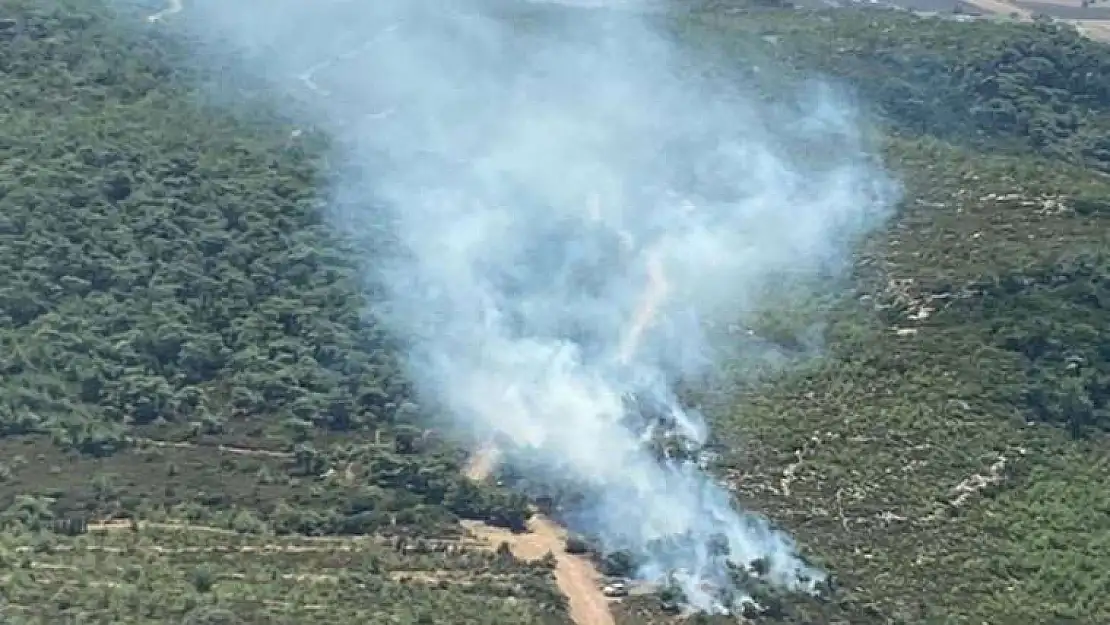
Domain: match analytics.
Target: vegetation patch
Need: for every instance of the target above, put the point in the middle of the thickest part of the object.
(200, 424)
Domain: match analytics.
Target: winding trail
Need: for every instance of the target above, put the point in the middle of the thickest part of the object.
(308, 75)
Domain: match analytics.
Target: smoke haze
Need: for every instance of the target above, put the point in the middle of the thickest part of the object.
(573, 205)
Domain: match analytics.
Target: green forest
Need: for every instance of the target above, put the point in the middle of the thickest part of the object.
(201, 423)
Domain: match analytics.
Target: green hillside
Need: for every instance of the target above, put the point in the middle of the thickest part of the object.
(183, 343)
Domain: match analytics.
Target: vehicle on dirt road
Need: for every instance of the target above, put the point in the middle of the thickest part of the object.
(616, 589)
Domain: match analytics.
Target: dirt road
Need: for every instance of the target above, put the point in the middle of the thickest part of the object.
(229, 449)
(1002, 7)
(575, 576)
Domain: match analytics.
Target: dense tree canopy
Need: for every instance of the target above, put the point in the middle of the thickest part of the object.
(1039, 87)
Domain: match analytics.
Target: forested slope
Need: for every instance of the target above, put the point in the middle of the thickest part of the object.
(169, 288)
(1026, 87)
(183, 341)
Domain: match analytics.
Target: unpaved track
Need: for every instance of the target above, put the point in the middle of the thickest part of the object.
(119, 525)
(229, 449)
(1001, 7)
(575, 576)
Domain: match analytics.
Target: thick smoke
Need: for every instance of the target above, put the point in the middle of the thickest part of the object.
(573, 203)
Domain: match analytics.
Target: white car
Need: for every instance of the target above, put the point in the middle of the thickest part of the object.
(617, 589)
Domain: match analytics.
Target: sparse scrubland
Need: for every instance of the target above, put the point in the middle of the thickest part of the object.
(185, 344)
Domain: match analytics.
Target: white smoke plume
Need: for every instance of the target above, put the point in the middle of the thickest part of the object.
(574, 201)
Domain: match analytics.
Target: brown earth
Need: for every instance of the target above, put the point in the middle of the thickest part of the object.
(576, 577)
